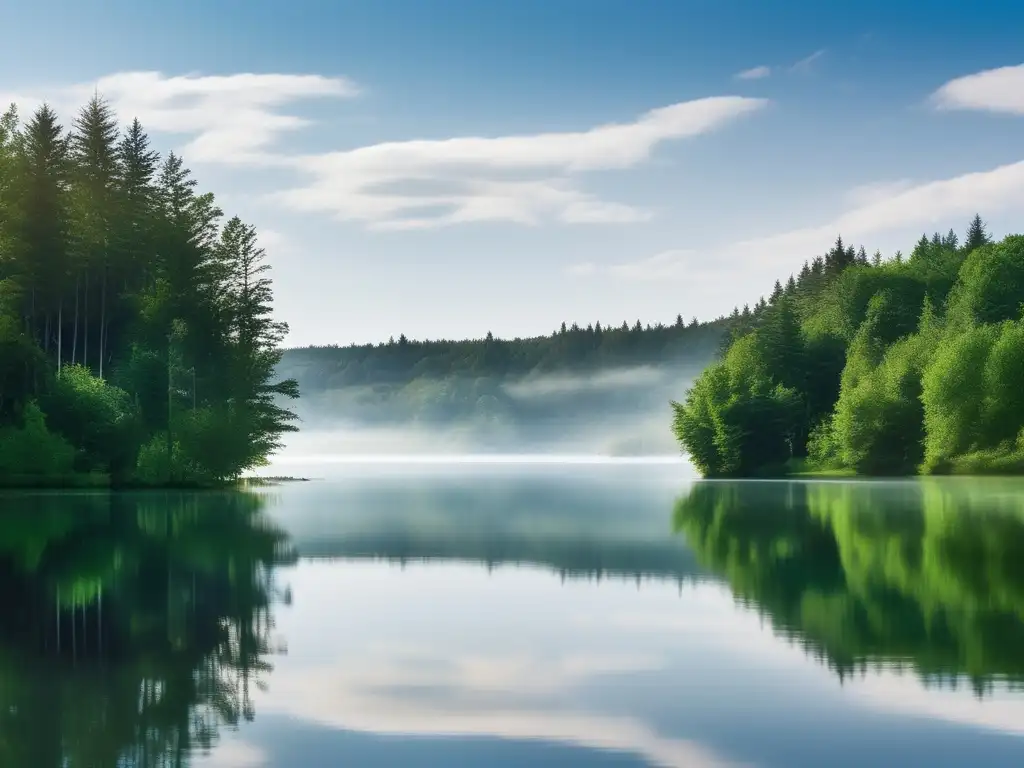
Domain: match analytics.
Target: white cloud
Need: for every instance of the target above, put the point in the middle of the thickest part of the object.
(927, 204)
(805, 63)
(754, 73)
(673, 264)
(524, 179)
(236, 119)
(229, 118)
(993, 90)
(866, 194)
(876, 209)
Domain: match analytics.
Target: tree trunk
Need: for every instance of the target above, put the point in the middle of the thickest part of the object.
(85, 323)
(32, 317)
(170, 416)
(74, 339)
(103, 316)
(60, 332)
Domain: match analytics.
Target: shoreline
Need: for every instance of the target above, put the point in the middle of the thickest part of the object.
(102, 483)
(98, 482)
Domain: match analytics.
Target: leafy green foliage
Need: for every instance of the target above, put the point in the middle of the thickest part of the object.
(736, 421)
(98, 418)
(129, 315)
(887, 367)
(973, 401)
(32, 451)
(990, 288)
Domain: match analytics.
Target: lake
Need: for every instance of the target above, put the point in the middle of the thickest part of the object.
(616, 614)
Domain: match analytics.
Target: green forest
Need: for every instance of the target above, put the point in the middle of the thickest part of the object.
(872, 366)
(137, 342)
(921, 576)
(569, 348)
(473, 381)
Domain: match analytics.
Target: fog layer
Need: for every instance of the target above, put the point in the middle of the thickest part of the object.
(613, 412)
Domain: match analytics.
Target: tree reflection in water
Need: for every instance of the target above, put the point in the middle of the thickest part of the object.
(926, 576)
(134, 625)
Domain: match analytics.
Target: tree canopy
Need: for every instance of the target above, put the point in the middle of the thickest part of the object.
(137, 342)
(570, 348)
(881, 367)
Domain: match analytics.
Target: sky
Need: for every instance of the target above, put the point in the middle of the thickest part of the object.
(445, 168)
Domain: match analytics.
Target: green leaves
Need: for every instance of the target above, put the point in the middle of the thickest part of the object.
(931, 354)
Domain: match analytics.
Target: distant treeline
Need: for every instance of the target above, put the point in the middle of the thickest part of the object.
(873, 366)
(570, 348)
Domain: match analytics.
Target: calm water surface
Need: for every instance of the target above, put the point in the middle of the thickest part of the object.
(515, 616)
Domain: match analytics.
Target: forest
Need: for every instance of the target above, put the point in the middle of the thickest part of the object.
(486, 384)
(872, 366)
(569, 348)
(137, 341)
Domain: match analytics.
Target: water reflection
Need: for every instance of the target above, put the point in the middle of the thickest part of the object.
(551, 619)
(921, 576)
(594, 523)
(134, 626)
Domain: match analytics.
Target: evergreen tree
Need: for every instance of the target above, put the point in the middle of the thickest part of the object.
(132, 325)
(41, 243)
(976, 234)
(256, 416)
(94, 152)
(805, 275)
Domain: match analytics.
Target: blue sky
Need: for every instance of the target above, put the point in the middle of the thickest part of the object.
(439, 167)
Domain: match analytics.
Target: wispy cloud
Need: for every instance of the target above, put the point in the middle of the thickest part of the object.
(525, 179)
(754, 73)
(992, 90)
(875, 210)
(228, 118)
(866, 194)
(673, 264)
(805, 63)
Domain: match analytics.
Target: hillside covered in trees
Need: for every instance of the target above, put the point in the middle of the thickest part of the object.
(568, 349)
(137, 344)
(506, 387)
(872, 366)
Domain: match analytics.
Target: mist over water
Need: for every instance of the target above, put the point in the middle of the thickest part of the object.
(622, 414)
